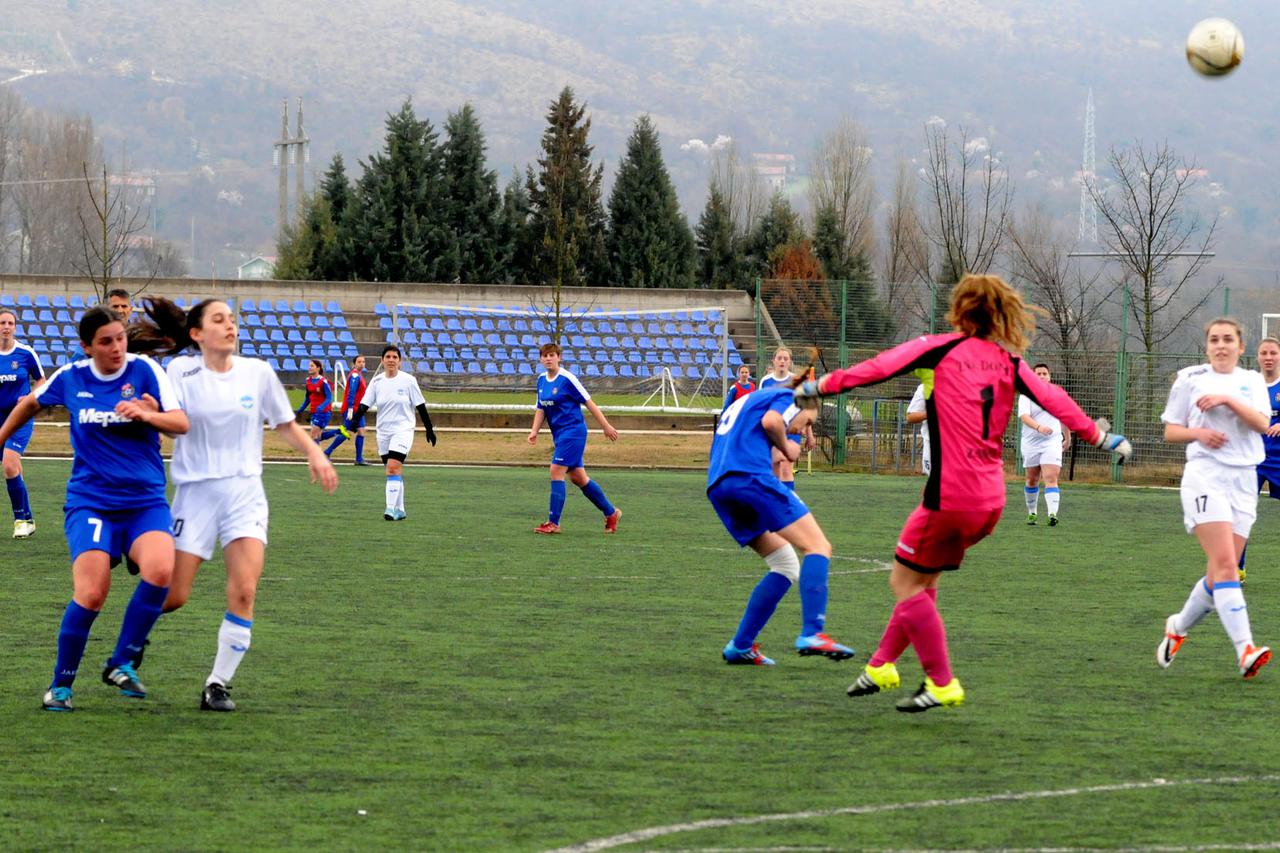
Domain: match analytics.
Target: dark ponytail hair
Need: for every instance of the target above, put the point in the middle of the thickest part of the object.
(93, 320)
(169, 331)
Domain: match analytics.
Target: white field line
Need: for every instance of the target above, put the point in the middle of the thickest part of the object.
(1007, 797)
(1265, 845)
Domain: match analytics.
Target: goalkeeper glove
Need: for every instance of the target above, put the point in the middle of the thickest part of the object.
(431, 435)
(1116, 443)
(807, 394)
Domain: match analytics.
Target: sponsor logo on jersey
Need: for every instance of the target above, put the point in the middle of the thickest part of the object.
(192, 372)
(126, 391)
(246, 402)
(88, 394)
(9, 377)
(108, 418)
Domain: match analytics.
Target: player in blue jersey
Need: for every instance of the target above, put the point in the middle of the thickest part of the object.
(761, 513)
(560, 400)
(317, 396)
(20, 372)
(780, 377)
(118, 403)
(350, 402)
(1269, 468)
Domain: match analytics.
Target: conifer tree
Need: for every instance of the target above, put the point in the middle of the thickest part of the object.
(719, 249)
(567, 221)
(335, 256)
(649, 241)
(514, 235)
(474, 206)
(778, 227)
(866, 318)
(403, 230)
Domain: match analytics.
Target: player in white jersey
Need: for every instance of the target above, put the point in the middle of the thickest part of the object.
(217, 466)
(395, 396)
(1219, 410)
(918, 413)
(1043, 443)
(780, 375)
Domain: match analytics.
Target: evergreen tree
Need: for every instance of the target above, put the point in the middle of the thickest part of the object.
(777, 229)
(474, 207)
(566, 221)
(403, 231)
(335, 256)
(719, 249)
(649, 241)
(866, 317)
(514, 235)
(302, 243)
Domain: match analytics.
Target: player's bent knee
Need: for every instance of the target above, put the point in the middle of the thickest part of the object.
(785, 562)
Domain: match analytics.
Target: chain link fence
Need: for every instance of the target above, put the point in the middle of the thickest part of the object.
(866, 429)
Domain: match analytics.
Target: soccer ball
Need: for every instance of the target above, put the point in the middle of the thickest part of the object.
(1214, 47)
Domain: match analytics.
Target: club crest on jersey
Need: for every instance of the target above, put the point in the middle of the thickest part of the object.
(246, 402)
(126, 391)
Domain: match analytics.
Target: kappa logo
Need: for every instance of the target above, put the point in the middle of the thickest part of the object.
(192, 372)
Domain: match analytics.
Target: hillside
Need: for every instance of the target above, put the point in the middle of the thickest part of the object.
(200, 84)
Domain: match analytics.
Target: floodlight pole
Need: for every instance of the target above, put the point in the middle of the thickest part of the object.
(1122, 358)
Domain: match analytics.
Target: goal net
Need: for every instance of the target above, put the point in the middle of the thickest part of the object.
(640, 359)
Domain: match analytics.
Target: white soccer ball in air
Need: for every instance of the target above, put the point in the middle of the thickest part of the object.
(1214, 47)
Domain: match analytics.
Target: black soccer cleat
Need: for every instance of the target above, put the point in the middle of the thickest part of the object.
(124, 677)
(214, 698)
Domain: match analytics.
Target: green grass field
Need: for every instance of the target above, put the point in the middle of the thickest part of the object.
(454, 682)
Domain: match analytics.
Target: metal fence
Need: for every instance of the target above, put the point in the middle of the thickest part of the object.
(866, 429)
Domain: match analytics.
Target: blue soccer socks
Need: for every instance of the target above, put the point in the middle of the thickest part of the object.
(760, 606)
(337, 437)
(139, 617)
(359, 449)
(73, 634)
(19, 499)
(556, 508)
(595, 494)
(813, 593)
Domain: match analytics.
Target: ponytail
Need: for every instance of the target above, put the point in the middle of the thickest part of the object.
(167, 333)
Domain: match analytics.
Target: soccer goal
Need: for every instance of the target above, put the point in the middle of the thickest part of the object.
(642, 359)
(1268, 321)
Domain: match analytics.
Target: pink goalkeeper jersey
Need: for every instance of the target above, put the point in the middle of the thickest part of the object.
(970, 386)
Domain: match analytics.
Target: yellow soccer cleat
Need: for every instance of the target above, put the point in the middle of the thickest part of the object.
(1240, 574)
(931, 695)
(876, 678)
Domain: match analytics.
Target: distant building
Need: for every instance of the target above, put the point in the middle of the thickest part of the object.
(260, 266)
(774, 168)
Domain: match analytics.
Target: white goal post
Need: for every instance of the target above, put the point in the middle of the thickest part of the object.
(640, 352)
(1267, 319)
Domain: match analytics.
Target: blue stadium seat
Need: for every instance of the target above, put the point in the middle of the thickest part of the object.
(46, 362)
(508, 369)
(42, 301)
(7, 301)
(249, 350)
(486, 324)
(525, 368)
(45, 316)
(698, 317)
(439, 367)
(70, 333)
(345, 337)
(24, 300)
(311, 336)
(258, 335)
(62, 315)
(250, 321)
(578, 341)
(333, 308)
(275, 365)
(321, 321)
(51, 331)
(470, 324)
(277, 336)
(504, 324)
(491, 369)
(316, 307)
(287, 321)
(609, 370)
(299, 307)
(270, 321)
(304, 322)
(338, 322)
(282, 306)
(247, 305)
(537, 327)
(520, 324)
(291, 366)
(301, 351)
(381, 310)
(625, 370)
(59, 301)
(75, 302)
(466, 354)
(56, 345)
(293, 336)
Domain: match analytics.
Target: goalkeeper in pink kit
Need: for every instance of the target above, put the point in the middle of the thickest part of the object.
(971, 377)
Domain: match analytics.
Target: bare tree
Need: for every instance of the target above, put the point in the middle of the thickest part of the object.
(49, 193)
(840, 182)
(906, 252)
(745, 195)
(11, 116)
(112, 234)
(1073, 299)
(967, 196)
(1155, 237)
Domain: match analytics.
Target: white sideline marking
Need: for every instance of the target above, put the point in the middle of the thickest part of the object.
(1266, 845)
(1008, 797)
